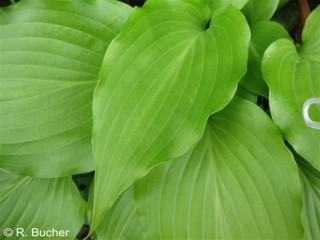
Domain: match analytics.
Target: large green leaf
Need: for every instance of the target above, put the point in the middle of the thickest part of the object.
(263, 33)
(310, 179)
(258, 10)
(293, 77)
(34, 203)
(238, 182)
(160, 80)
(50, 56)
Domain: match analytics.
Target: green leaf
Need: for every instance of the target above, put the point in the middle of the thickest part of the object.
(282, 3)
(310, 179)
(50, 56)
(244, 94)
(44, 204)
(238, 182)
(293, 77)
(121, 221)
(263, 33)
(160, 80)
(310, 48)
(216, 4)
(257, 10)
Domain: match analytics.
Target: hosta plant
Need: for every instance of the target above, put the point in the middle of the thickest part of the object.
(178, 119)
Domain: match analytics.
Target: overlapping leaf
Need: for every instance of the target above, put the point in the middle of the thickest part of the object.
(245, 94)
(287, 16)
(50, 56)
(263, 33)
(310, 48)
(239, 182)
(293, 76)
(282, 3)
(171, 67)
(310, 179)
(257, 10)
(44, 204)
(122, 222)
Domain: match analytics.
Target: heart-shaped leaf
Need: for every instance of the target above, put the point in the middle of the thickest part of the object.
(293, 76)
(160, 80)
(50, 56)
(238, 182)
(30, 204)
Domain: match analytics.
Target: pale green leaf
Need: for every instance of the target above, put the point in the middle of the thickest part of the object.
(310, 179)
(293, 78)
(238, 182)
(258, 10)
(160, 80)
(36, 203)
(50, 56)
(263, 33)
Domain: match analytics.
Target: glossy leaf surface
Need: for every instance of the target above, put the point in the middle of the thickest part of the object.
(160, 80)
(293, 76)
(50, 56)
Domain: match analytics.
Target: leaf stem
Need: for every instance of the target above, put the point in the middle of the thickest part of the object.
(304, 11)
